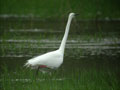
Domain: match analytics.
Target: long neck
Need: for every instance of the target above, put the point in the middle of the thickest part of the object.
(62, 46)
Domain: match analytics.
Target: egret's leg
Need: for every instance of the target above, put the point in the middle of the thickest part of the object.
(37, 71)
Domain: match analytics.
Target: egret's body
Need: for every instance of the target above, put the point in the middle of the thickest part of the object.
(49, 60)
(52, 59)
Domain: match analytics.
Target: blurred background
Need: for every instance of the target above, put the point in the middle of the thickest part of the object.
(33, 27)
(31, 21)
(60, 8)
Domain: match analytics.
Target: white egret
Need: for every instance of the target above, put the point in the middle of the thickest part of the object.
(52, 59)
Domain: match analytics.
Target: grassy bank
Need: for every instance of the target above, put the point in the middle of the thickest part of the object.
(61, 8)
(92, 79)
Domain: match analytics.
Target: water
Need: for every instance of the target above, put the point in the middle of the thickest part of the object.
(90, 44)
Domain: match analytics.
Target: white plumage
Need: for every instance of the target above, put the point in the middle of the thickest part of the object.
(51, 59)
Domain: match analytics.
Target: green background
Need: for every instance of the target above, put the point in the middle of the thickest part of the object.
(88, 9)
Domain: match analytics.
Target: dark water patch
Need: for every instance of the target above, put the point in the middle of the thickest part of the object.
(81, 26)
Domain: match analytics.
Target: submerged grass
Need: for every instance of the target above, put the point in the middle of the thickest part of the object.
(77, 79)
(38, 44)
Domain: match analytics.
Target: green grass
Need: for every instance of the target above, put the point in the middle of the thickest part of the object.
(76, 79)
(61, 8)
(33, 48)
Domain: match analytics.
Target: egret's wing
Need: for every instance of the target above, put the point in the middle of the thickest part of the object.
(49, 59)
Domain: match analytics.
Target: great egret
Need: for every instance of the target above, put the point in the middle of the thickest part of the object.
(52, 59)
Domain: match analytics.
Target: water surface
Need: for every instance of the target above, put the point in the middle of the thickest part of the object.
(90, 44)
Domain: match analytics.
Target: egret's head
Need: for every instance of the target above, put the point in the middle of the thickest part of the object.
(72, 15)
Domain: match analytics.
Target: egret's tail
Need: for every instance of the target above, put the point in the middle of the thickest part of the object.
(27, 65)
(30, 65)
